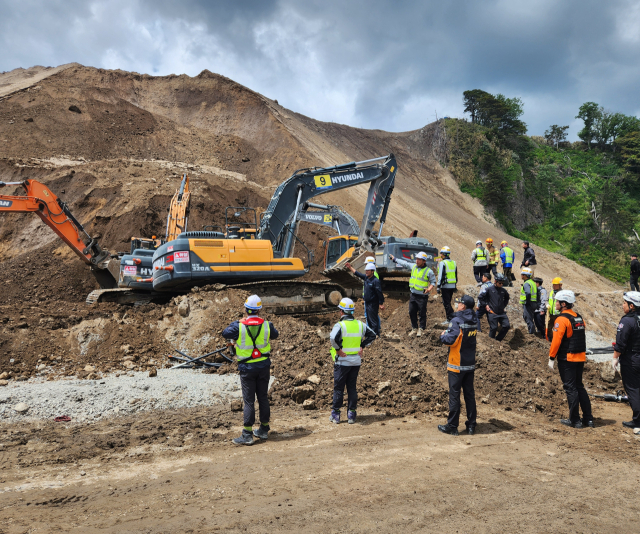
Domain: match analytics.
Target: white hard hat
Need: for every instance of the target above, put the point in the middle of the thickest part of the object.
(565, 296)
(632, 297)
(445, 250)
(370, 267)
(527, 271)
(422, 256)
(253, 303)
(479, 242)
(347, 305)
(370, 259)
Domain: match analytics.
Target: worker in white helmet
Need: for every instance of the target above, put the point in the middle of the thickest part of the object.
(421, 283)
(252, 339)
(348, 337)
(373, 297)
(447, 280)
(480, 259)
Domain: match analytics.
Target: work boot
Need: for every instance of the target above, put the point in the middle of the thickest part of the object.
(471, 430)
(629, 424)
(588, 423)
(413, 332)
(245, 439)
(335, 417)
(262, 432)
(351, 416)
(448, 429)
(568, 422)
(420, 332)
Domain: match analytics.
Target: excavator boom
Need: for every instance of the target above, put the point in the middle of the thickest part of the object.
(179, 210)
(54, 213)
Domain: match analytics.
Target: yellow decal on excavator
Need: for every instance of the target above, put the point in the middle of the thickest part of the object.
(328, 218)
(392, 168)
(323, 181)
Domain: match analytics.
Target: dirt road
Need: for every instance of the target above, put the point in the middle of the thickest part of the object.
(522, 472)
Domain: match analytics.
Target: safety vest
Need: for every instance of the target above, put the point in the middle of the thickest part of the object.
(552, 303)
(534, 291)
(493, 256)
(259, 329)
(577, 343)
(509, 255)
(419, 278)
(450, 271)
(480, 255)
(352, 333)
(375, 273)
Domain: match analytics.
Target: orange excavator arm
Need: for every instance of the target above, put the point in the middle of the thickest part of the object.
(178, 210)
(40, 200)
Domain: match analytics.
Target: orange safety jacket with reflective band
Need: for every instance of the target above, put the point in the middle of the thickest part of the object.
(562, 330)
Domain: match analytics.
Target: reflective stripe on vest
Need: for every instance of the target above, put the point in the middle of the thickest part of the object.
(419, 278)
(508, 255)
(352, 332)
(244, 345)
(461, 367)
(533, 289)
(375, 273)
(552, 303)
(480, 255)
(450, 271)
(493, 256)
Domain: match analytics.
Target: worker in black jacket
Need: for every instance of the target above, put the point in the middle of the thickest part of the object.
(495, 300)
(529, 258)
(373, 297)
(461, 339)
(635, 272)
(627, 353)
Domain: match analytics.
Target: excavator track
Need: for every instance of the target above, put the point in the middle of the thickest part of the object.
(121, 295)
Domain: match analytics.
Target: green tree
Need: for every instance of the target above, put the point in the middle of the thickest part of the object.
(471, 100)
(556, 134)
(590, 113)
(630, 151)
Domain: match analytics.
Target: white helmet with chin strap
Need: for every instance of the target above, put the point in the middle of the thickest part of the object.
(632, 297)
(565, 296)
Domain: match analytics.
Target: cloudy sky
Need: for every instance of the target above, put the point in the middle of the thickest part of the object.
(391, 64)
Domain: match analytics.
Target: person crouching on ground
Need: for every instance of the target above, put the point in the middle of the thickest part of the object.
(348, 337)
(461, 339)
(251, 337)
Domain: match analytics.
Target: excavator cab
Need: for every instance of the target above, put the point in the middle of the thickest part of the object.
(339, 248)
(240, 223)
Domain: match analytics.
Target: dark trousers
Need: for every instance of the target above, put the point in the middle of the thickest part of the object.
(255, 383)
(447, 295)
(633, 281)
(508, 274)
(496, 321)
(479, 271)
(345, 376)
(494, 269)
(528, 311)
(481, 311)
(631, 381)
(552, 321)
(457, 381)
(372, 317)
(418, 309)
(540, 322)
(577, 397)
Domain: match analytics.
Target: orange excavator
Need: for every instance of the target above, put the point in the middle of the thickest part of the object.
(54, 213)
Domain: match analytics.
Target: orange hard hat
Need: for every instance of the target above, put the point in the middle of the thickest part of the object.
(489, 240)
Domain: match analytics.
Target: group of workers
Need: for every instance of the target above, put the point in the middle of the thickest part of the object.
(565, 330)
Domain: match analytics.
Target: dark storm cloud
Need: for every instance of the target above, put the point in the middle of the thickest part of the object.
(376, 64)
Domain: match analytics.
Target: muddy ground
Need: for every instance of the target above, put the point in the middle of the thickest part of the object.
(178, 472)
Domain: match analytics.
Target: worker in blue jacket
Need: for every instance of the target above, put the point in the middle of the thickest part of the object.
(461, 338)
(373, 297)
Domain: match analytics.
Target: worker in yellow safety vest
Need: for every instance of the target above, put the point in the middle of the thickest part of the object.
(507, 256)
(252, 339)
(528, 299)
(348, 337)
(447, 280)
(480, 259)
(556, 283)
(494, 256)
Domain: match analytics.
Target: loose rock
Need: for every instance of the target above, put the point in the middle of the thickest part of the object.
(21, 407)
(302, 393)
(309, 404)
(153, 372)
(184, 308)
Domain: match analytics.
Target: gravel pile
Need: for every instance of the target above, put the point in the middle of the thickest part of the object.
(89, 400)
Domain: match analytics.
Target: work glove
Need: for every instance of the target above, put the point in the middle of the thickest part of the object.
(551, 363)
(614, 364)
